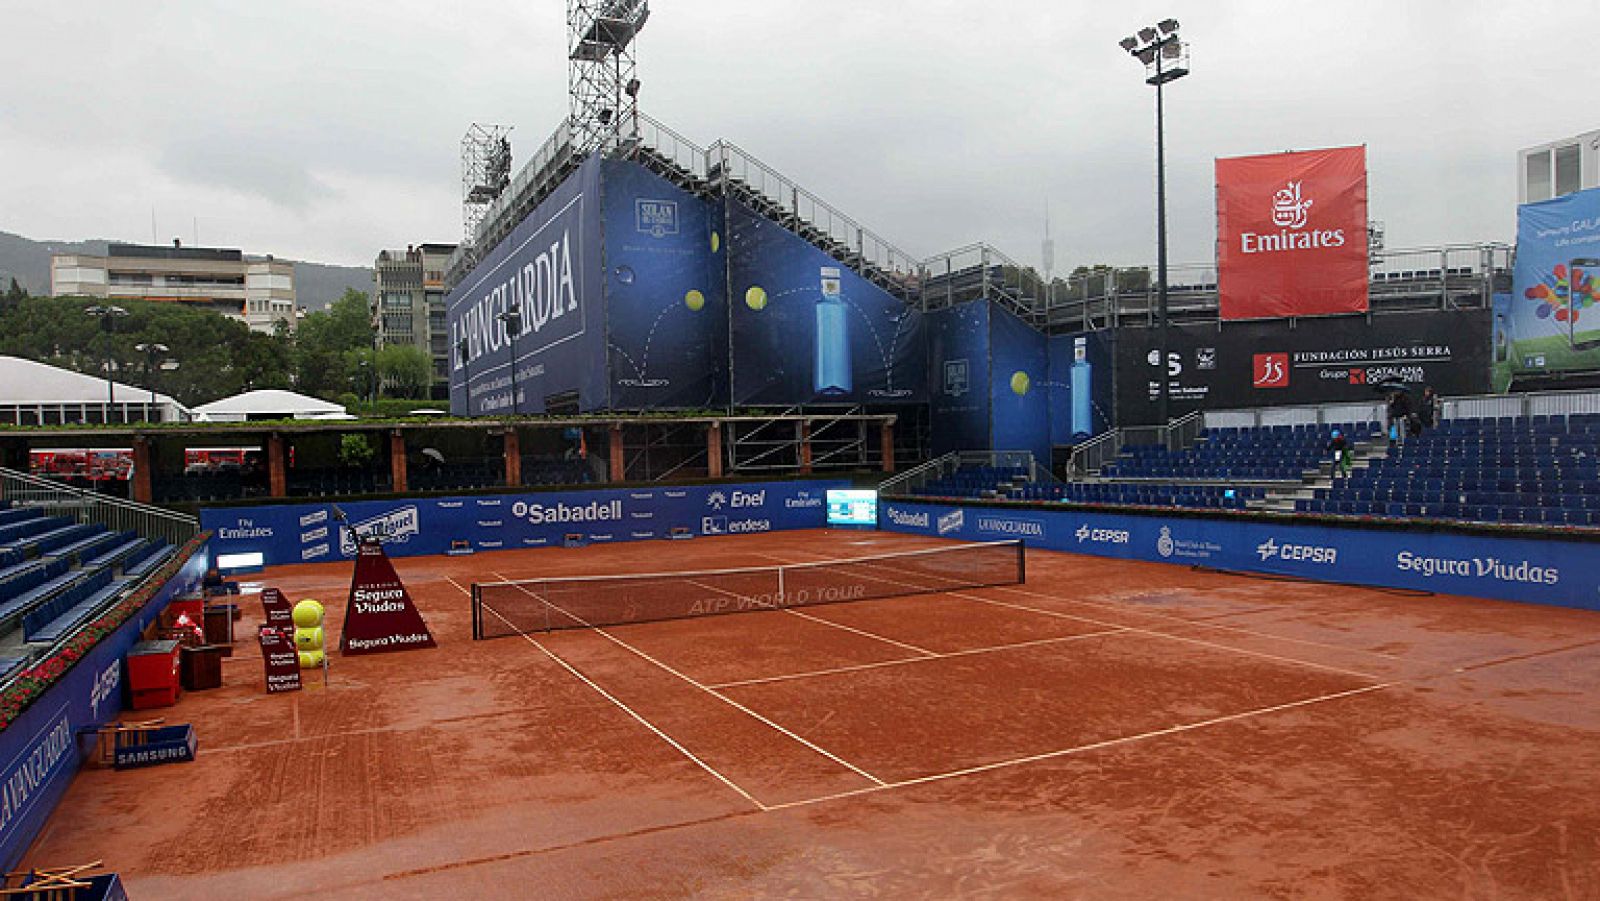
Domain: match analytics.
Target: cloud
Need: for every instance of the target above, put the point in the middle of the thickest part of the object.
(248, 164)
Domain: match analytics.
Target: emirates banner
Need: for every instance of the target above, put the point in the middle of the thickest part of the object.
(1292, 234)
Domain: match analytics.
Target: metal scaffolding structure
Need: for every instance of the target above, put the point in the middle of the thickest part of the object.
(602, 87)
(485, 173)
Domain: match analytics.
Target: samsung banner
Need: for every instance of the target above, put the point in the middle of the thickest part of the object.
(666, 293)
(1551, 320)
(535, 296)
(1339, 359)
(1292, 233)
(300, 533)
(1514, 569)
(807, 329)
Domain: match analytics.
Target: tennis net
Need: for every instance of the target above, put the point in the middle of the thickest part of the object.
(541, 605)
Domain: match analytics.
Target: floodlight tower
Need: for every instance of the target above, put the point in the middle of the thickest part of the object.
(1165, 58)
(485, 174)
(602, 87)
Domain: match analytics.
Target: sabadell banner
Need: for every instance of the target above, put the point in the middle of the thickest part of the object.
(305, 533)
(1292, 234)
(1545, 571)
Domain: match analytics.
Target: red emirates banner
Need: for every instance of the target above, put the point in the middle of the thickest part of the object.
(380, 615)
(1292, 234)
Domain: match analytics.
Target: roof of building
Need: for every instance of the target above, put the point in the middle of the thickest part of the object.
(270, 402)
(28, 382)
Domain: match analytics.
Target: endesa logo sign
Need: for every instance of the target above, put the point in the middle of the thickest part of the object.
(1292, 234)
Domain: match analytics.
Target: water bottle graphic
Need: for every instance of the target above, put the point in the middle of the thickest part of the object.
(1082, 420)
(831, 375)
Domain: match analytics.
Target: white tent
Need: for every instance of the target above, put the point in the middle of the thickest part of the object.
(269, 404)
(33, 393)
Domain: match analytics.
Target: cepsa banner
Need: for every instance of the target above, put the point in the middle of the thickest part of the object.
(1292, 234)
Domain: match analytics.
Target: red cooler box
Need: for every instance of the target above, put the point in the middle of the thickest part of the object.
(153, 674)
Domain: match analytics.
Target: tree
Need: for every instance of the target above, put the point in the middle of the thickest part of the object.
(407, 370)
(325, 362)
(15, 295)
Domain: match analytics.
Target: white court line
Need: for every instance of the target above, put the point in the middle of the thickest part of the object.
(724, 699)
(904, 660)
(1081, 749)
(625, 708)
(816, 619)
(1137, 630)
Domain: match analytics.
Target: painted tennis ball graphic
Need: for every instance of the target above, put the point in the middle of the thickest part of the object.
(756, 298)
(716, 242)
(694, 300)
(1019, 383)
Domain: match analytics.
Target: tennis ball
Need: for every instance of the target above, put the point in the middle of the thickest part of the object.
(756, 298)
(308, 639)
(716, 242)
(307, 613)
(1019, 383)
(694, 300)
(310, 659)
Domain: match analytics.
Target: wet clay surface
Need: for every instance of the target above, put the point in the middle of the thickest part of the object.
(1109, 730)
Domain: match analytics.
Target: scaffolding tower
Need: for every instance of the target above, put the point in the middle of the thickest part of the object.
(602, 87)
(485, 173)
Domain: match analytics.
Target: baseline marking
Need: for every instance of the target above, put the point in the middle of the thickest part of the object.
(723, 698)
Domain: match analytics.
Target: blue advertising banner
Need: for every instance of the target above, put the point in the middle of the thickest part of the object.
(666, 293)
(304, 533)
(1551, 321)
(40, 751)
(1081, 398)
(958, 367)
(1560, 573)
(548, 271)
(807, 329)
(1019, 367)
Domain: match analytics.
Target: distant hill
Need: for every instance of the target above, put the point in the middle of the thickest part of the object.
(316, 284)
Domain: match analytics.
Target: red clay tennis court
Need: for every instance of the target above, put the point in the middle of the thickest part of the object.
(1107, 729)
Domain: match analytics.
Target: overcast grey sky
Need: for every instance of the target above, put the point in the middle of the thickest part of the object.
(326, 131)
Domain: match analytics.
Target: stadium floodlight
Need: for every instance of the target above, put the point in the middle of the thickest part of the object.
(1165, 58)
(108, 316)
(512, 320)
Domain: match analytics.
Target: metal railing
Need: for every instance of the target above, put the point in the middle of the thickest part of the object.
(1362, 411)
(1174, 436)
(671, 146)
(119, 515)
(1095, 454)
(912, 480)
(1533, 403)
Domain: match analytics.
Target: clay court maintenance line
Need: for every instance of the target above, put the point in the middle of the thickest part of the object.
(625, 708)
(721, 697)
(1083, 749)
(1135, 629)
(937, 655)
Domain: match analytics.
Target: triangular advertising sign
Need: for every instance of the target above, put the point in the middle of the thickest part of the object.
(380, 615)
(276, 607)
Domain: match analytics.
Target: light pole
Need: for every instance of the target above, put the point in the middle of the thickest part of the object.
(462, 350)
(151, 352)
(1165, 58)
(108, 316)
(512, 320)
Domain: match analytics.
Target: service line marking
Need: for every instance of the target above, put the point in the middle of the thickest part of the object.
(1093, 746)
(1109, 625)
(624, 707)
(940, 655)
(723, 698)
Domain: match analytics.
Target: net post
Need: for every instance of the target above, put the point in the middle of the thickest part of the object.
(1022, 562)
(781, 601)
(477, 613)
